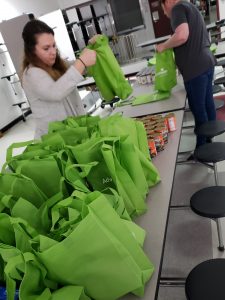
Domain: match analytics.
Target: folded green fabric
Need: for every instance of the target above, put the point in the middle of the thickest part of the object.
(147, 98)
(107, 73)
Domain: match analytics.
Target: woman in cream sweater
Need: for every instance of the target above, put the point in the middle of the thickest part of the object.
(49, 84)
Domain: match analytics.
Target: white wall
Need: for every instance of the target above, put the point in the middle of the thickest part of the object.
(8, 112)
(70, 3)
(13, 8)
(222, 14)
(11, 31)
(222, 8)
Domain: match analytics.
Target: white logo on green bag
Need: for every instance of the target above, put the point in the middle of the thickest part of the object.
(107, 180)
(162, 72)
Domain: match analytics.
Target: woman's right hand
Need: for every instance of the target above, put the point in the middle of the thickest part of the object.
(88, 57)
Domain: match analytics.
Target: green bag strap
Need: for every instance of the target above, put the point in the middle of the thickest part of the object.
(16, 146)
(86, 168)
(12, 273)
(7, 201)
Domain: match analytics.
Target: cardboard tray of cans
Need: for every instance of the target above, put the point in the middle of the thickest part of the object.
(157, 129)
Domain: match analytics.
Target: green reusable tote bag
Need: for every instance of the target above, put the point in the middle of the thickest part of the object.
(133, 196)
(120, 126)
(107, 172)
(129, 157)
(82, 121)
(32, 150)
(107, 73)
(165, 71)
(68, 136)
(22, 186)
(89, 153)
(26, 269)
(44, 172)
(100, 254)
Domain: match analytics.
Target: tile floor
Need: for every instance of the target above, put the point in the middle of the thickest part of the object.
(187, 143)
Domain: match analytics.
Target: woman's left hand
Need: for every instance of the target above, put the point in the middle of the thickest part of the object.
(94, 38)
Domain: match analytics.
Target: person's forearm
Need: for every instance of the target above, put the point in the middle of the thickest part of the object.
(79, 66)
(179, 37)
(174, 41)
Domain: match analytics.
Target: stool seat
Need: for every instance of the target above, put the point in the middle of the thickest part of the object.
(206, 281)
(210, 152)
(219, 55)
(209, 202)
(220, 80)
(211, 128)
(216, 89)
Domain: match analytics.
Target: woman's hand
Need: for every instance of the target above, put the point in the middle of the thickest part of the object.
(94, 38)
(88, 57)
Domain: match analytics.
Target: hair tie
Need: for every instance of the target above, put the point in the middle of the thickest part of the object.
(82, 62)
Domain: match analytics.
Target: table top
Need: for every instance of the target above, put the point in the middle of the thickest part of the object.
(220, 48)
(216, 24)
(154, 41)
(154, 221)
(176, 101)
(128, 70)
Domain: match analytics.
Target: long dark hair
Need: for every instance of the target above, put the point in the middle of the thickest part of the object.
(30, 32)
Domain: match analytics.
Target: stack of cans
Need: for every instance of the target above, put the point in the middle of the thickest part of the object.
(157, 129)
(146, 75)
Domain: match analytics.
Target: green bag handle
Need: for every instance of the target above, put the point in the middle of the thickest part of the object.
(16, 146)
(7, 202)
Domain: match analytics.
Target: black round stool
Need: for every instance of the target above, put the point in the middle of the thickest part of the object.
(211, 128)
(210, 153)
(206, 281)
(220, 80)
(210, 203)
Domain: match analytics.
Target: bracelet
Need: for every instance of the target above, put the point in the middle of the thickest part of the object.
(82, 62)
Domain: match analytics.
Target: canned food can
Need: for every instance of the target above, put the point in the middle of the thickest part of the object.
(150, 124)
(156, 117)
(138, 79)
(162, 122)
(150, 133)
(143, 79)
(152, 148)
(159, 142)
(164, 133)
(171, 122)
(149, 78)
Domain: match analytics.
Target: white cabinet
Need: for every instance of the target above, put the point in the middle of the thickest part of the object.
(11, 50)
